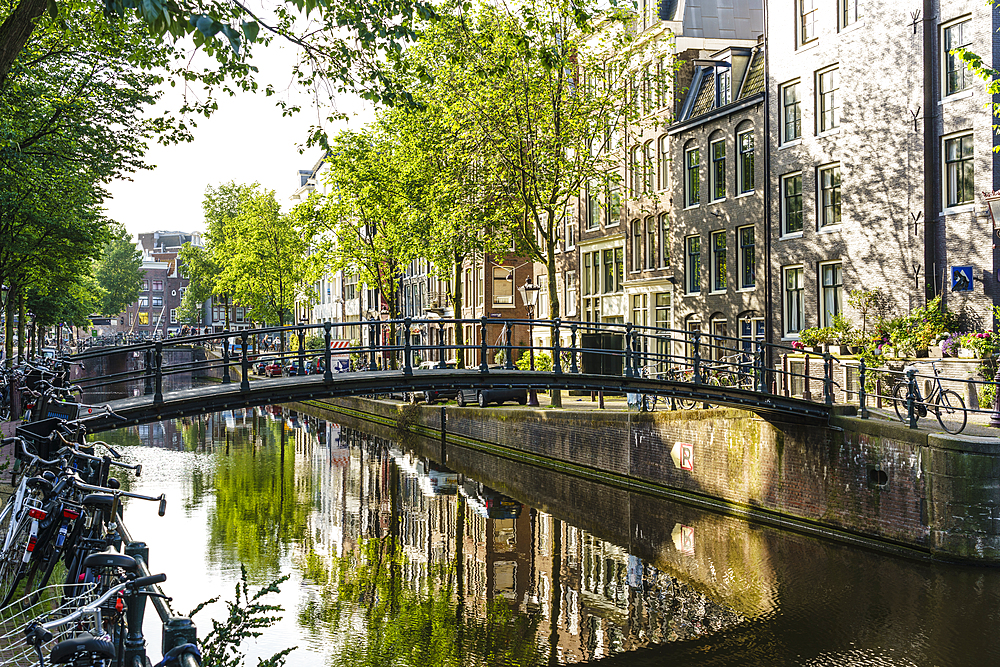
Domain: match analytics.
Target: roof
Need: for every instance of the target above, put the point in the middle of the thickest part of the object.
(754, 81)
(701, 97)
(721, 19)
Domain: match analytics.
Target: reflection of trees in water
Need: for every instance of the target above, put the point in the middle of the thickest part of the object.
(261, 508)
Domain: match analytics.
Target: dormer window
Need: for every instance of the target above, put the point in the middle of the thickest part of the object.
(724, 86)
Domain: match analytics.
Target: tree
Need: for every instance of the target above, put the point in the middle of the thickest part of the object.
(202, 272)
(265, 262)
(119, 272)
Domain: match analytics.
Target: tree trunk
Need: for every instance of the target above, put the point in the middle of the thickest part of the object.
(556, 394)
(20, 326)
(9, 328)
(15, 33)
(456, 303)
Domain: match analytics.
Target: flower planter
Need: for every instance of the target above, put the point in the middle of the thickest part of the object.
(934, 352)
(966, 354)
(920, 354)
(836, 349)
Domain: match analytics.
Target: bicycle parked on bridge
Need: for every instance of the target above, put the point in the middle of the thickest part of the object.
(947, 405)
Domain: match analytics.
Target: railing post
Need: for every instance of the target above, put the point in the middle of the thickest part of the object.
(135, 644)
(828, 378)
(696, 344)
(556, 349)
(638, 358)
(302, 351)
(785, 382)
(327, 355)
(572, 349)
(177, 631)
(759, 367)
(628, 350)
(508, 346)
(995, 417)
(483, 349)
(862, 390)
(807, 391)
(245, 381)
(371, 345)
(158, 373)
(442, 362)
(407, 347)
(148, 388)
(225, 360)
(911, 396)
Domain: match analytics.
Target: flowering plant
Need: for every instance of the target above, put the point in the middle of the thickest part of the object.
(798, 345)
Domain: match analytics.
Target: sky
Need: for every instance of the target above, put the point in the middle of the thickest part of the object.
(247, 140)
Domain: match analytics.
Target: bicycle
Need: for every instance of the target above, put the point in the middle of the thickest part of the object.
(942, 402)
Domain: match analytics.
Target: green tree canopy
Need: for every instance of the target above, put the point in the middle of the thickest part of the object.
(119, 272)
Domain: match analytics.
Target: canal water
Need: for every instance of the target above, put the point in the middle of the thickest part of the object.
(391, 558)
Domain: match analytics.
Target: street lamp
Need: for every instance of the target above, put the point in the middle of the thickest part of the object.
(529, 296)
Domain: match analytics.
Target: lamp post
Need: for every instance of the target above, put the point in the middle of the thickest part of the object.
(529, 296)
(993, 204)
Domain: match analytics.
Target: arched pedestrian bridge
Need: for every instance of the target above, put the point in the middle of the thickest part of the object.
(198, 374)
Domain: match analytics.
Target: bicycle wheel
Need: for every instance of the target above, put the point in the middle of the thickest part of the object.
(687, 403)
(899, 401)
(951, 406)
(10, 562)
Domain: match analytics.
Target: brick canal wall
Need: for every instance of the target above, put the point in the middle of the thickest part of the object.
(862, 481)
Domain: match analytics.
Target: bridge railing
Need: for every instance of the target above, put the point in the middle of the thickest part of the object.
(487, 343)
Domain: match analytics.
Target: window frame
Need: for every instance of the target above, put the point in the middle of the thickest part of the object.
(692, 264)
(663, 222)
(825, 97)
(965, 23)
(720, 265)
(834, 191)
(785, 106)
(847, 13)
(717, 172)
(747, 256)
(692, 177)
(635, 229)
(742, 167)
(664, 161)
(783, 202)
(826, 318)
(652, 249)
(501, 300)
(807, 20)
(785, 300)
(946, 176)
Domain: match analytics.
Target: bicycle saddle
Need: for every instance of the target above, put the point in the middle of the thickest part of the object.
(70, 650)
(98, 500)
(111, 559)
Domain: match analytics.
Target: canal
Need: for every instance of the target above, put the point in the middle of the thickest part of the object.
(393, 558)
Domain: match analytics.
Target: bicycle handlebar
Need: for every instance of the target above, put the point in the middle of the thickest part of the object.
(83, 486)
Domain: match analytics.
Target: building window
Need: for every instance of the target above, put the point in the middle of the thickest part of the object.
(744, 140)
(957, 76)
(808, 13)
(651, 248)
(718, 151)
(719, 342)
(719, 282)
(833, 292)
(619, 269)
(636, 246)
(725, 86)
(751, 331)
(665, 239)
(829, 180)
(639, 310)
(828, 98)
(614, 204)
(693, 244)
(144, 302)
(848, 12)
(588, 283)
(144, 319)
(692, 184)
(157, 302)
(350, 286)
(637, 168)
(791, 204)
(794, 300)
(593, 205)
(145, 285)
(664, 316)
(238, 314)
(664, 161)
(958, 176)
(649, 177)
(791, 113)
(173, 316)
(157, 285)
(609, 271)
(503, 286)
(748, 257)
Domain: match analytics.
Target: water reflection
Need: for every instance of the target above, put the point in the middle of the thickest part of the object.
(400, 559)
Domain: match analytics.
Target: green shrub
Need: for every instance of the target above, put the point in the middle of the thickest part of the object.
(543, 362)
(813, 336)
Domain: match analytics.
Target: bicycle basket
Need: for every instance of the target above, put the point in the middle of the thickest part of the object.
(37, 433)
(45, 604)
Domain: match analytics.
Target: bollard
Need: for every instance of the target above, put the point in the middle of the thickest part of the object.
(572, 347)
(245, 365)
(407, 347)
(178, 630)
(556, 351)
(911, 396)
(483, 349)
(327, 356)
(135, 644)
(158, 373)
(862, 391)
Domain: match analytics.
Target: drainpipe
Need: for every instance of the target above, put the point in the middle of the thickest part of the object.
(768, 278)
(932, 171)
